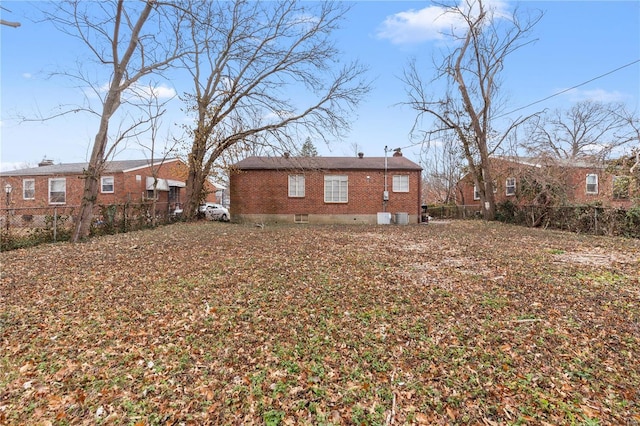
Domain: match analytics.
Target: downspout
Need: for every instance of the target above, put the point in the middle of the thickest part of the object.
(385, 194)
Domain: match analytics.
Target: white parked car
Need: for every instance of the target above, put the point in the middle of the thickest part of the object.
(214, 211)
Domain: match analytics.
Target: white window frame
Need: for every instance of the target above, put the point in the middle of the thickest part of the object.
(476, 193)
(336, 189)
(296, 186)
(510, 186)
(104, 182)
(53, 181)
(29, 193)
(594, 184)
(400, 183)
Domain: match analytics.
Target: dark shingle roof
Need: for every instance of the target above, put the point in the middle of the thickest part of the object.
(78, 168)
(326, 163)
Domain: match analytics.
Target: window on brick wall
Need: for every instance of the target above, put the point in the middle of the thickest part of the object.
(401, 183)
(301, 218)
(510, 184)
(476, 193)
(29, 189)
(592, 184)
(621, 187)
(336, 189)
(149, 195)
(296, 185)
(57, 190)
(174, 194)
(106, 184)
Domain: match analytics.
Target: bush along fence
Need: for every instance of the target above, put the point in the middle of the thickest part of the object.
(585, 219)
(25, 227)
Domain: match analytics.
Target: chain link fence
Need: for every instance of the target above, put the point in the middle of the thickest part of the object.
(454, 212)
(24, 227)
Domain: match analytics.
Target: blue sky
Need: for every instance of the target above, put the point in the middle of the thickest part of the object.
(577, 41)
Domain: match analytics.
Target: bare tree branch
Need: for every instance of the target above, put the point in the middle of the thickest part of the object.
(589, 129)
(123, 39)
(248, 57)
(472, 76)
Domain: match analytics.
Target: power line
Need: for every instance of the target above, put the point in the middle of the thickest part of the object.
(552, 96)
(570, 88)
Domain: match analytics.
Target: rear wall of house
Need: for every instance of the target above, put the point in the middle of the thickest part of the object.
(265, 192)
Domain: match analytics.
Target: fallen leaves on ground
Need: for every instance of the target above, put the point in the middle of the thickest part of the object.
(210, 323)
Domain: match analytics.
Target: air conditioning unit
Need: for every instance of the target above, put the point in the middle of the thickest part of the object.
(384, 218)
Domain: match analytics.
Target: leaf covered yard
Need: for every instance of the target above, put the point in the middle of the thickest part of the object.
(211, 323)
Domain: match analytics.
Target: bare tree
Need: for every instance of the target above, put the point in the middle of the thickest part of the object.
(157, 153)
(443, 167)
(589, 129)
(354, 149)
(250, 56)
(471, 72)
(128, 41)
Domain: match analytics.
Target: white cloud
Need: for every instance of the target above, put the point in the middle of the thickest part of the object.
(149, 92)
(429, 23)
(597, 95)
(141, 91)
(276, 116)
(161, 91)
(415, 26)
(27, 75)
(305, 20)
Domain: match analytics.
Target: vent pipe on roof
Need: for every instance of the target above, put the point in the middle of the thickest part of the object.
(360, 154)
(45, 162)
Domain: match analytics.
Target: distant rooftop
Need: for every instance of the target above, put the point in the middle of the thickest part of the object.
(549, 161)
(49, 169)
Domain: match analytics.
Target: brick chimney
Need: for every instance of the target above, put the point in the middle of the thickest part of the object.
(397, 152)
(360, 154)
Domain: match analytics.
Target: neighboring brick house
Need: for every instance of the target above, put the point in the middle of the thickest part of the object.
(126, 181)
(325, 189)
(578, 182)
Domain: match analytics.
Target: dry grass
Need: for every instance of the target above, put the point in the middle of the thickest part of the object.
(210, 323)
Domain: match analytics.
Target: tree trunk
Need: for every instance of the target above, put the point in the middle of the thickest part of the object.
(193, 192)
(83, 224)
(91, 182)
(121, 79)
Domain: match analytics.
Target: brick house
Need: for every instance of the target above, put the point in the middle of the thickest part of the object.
(127, 181)
(579, 182)
(325, 189)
